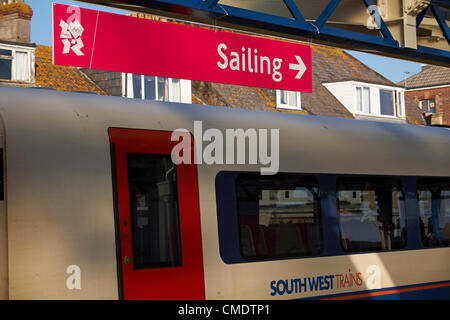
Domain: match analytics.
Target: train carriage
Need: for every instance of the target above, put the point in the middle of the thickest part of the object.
(93, 206)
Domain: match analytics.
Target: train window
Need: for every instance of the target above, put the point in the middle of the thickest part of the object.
(434, 208)
(154, 211)
(372, 214)
(278, 216)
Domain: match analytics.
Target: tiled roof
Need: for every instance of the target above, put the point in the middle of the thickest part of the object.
(332, 65)
(429, 76)
(328, 65)
(61, 78)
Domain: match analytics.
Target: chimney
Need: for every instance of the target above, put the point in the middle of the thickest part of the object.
(15, 21)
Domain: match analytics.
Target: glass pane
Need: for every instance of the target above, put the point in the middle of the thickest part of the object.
(5, 64)
(278, 216)
(163, 89)
(423, 105)
(434, 207)
(386, 103)
(22, 66)
(432, 106)
(400, 103)
(366, 97)
(5, 69)
(176, 90)
(372, 214)
(4, 52)
(359, 102)
(150, 87)
(154, 211)
(292, 97)
(137, 86)
(283, 97)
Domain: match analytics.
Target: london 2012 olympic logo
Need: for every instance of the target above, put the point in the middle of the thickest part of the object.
(71, 32)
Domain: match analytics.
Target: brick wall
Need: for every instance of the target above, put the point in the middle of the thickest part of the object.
(442, 98)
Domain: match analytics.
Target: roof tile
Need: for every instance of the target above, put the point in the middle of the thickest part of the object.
(61, 78)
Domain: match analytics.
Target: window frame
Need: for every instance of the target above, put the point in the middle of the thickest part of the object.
(30, 61)
(128, 87)
(421, 103)
(307, 179)
(434, 180)
(287, 106)
(363, 106)
(228, 226)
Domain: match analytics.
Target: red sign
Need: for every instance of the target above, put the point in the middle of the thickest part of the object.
(105, 41)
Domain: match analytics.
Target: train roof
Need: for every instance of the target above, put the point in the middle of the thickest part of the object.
(38, 119)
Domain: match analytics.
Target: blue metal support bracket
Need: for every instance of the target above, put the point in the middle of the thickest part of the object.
(327, 12)
(441, 21)
(295, 12)
(420, 17)
(384, 29)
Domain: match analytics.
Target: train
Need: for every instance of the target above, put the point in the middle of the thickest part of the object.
(95, 205)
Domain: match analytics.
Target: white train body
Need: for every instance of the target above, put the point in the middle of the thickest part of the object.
(61, 203)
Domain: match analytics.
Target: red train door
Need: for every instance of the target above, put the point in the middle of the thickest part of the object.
(158, 218)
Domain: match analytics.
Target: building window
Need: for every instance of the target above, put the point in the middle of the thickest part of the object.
(278, 216)
(391, 103)
(428, 106)
(434, 208)
(363, 99)
(15, 64)
(289, 100)
(369, 99)
(386, 102)
(6, 64)
(371, 213)
(152, 88)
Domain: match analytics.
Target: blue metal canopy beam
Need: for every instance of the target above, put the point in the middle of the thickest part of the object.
(440, 19)
(297, 27)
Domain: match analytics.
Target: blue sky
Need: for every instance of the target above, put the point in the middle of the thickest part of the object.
(41, 33)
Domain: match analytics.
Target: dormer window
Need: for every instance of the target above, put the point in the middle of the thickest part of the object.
(16, 63)
(366, 100)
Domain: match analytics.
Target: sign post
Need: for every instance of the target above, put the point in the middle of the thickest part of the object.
(105, 41)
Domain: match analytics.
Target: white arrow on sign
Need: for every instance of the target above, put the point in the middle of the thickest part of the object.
(299, 66)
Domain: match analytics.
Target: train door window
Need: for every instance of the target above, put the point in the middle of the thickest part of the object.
(434, 207)
(372, 214)
(154, 211)
(278, 216)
